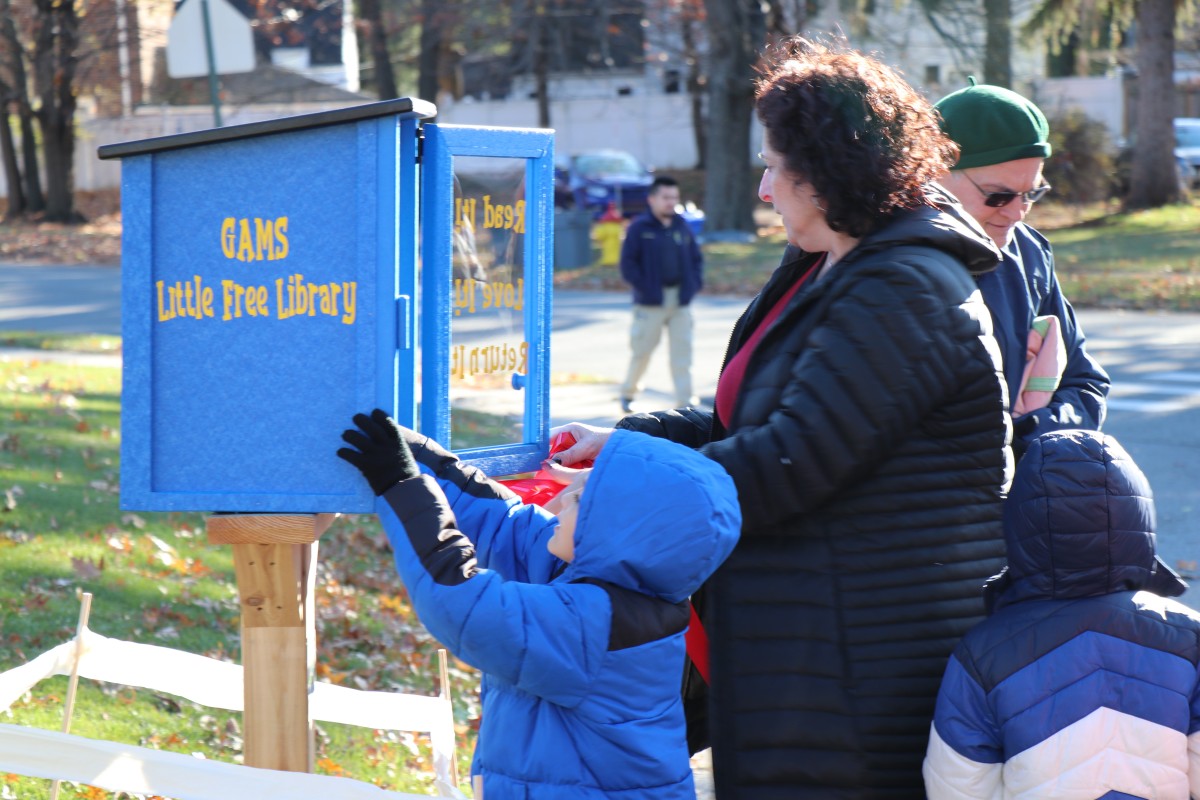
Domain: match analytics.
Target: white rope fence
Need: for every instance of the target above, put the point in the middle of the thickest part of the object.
(212, 683)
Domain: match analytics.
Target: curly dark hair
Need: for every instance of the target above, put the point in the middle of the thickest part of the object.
(853, 128)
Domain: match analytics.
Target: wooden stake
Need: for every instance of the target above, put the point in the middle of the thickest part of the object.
(85, 610)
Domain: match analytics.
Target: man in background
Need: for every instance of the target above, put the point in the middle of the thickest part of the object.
(662, 262)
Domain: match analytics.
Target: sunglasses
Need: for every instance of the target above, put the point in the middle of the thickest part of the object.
(1001, 199)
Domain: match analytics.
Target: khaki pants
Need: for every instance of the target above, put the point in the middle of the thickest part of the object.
(648, 324)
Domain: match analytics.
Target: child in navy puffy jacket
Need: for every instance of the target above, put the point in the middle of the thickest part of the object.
(1085, 681)
(576, 621)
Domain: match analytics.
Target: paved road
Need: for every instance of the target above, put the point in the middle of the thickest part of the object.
(60, 299)
(1154, 360)
(1154, 410)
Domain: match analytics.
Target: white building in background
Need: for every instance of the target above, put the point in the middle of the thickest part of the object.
(1100, 97)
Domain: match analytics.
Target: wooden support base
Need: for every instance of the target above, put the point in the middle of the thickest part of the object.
(275, 558)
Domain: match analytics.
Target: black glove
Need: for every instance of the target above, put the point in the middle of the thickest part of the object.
(383, 457)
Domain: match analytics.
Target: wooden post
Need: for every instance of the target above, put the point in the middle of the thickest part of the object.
(275, 558)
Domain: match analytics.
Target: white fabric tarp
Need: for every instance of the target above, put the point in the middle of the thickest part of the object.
(218, 684)
(124, 768)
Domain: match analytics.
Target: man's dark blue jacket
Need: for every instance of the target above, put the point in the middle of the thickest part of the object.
(1025, 286)
(642, 259)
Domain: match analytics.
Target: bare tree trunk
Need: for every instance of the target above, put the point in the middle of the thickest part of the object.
(695, 87)
(8, 153)
(56, 37)
(1153, 178)
(385, 79)
(35, 199)
(427, 57)
(787, 18)
(14, 61)
(8, 146)
(541, 59)
(776, 21)
(997, 49)
(735, 33)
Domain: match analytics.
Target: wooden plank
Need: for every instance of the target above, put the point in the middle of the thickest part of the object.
(267, 528)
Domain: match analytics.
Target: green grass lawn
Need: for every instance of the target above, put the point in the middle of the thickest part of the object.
(80, 343)
(1143, 260)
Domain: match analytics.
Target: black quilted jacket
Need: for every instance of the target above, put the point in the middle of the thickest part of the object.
(869, 449)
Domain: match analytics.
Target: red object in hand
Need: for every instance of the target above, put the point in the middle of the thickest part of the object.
(541, 488)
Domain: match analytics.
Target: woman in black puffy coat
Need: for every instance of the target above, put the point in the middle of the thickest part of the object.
(861, 412)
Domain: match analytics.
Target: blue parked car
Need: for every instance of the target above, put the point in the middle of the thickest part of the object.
(1187, 155)
(596, 178)
(1187, 149)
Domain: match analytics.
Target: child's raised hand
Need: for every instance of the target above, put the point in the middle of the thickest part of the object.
(383, 456)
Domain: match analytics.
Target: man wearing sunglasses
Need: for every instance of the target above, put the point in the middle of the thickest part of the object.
(1004, 141)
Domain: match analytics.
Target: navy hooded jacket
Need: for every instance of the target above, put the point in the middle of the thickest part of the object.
(582, 662)
(1085, 682)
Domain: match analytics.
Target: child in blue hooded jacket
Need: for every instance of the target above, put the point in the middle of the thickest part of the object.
(575, 621)
(1085, 681)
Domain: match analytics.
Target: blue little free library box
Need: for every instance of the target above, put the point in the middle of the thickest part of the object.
(279, 277)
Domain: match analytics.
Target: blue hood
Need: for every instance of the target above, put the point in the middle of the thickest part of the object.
(1079, 522)
(655, 517)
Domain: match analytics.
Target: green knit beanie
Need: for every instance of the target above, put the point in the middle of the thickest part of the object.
(992, 125)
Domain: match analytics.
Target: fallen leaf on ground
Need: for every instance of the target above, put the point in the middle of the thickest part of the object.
(87, 569)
